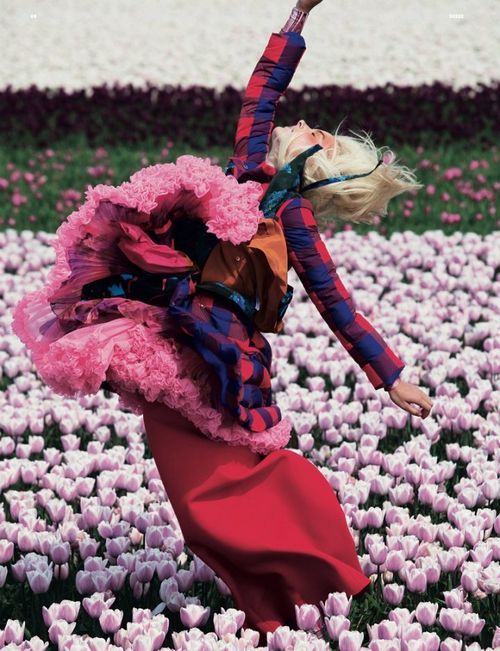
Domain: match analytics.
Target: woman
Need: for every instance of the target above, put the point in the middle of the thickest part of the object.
(162, 289)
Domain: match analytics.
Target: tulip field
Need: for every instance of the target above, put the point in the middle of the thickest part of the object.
(92, 555)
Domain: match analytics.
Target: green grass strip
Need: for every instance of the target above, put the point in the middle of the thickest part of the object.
(39, 188)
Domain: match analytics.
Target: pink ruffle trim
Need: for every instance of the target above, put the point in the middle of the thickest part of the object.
(230, 209)
(127, 351)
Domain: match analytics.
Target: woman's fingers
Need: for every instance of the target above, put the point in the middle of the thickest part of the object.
(412, 399)
(411, 408)
(422, 410)
(426, 404)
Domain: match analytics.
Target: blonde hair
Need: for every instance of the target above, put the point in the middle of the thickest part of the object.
(355, 200)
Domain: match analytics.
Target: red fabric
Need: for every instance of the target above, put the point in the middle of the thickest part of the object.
(270, 527)
(146, 254)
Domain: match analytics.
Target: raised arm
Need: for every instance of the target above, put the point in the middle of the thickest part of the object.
(267, 83)
(313, 264)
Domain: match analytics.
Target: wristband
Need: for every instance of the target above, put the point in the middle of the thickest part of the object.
(393, 385)
(296, 21)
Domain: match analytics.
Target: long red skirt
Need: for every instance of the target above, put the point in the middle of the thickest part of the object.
(270, 527)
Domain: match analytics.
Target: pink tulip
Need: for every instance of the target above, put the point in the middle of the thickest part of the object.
(386, 630)
(401, 494)
(194, 615)
(350, 641)
(431, 568)
(395, 560)
(448, 560)
(6, 551)
(384, 645)
(26, 541)
(117, 546)
(155, 536)
(473, 535)
(325, 420)
(185, 579)
(374, 517)
(450, 619)
(92, 515)
(451, 644)
(451, 537)
(491, 489)
(60, 552)
(393, 593)
(13, 632)
(18, 199)
(110, 620)
(454, 598)
(166, 569)
(469, 497)
(367, 566)
(395, 465)
(335, 624)
(66, 610)
(96, 604)
(83, 582)
(282, 638)
(88, 547)
(425, 531)
(227, 623)
(482, 554)
(441, 502)
(426, 492)
(378, 553)
(472, 624)
(307, 616)
(145, 571)
(351, 414)
(416, 580)
(306, 442)
(425, 613)
(39, 580)
(250, 637)
(337, 603)
(116, 578)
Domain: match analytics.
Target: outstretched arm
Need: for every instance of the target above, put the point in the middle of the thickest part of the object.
(268, 81)
(314, 266)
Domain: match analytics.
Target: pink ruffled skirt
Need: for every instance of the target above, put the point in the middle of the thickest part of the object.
(77, 345)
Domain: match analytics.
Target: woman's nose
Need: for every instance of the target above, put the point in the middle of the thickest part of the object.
(300, 124)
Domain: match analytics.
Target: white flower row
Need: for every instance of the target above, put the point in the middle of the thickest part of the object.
(359, 42)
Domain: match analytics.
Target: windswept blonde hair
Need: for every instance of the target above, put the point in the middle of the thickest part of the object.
(355, 200)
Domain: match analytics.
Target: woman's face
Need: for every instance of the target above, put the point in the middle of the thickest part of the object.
(307, 138)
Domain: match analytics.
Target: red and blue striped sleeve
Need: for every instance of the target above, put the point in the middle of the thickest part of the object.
(267, 83)
(308, 255)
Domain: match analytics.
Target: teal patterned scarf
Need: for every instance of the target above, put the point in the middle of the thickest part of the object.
(288, 179)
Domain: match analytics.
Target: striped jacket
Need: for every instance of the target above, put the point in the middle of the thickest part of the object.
(307, 253)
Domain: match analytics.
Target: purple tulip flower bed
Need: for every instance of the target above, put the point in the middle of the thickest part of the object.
(91, 553)
(113, 114)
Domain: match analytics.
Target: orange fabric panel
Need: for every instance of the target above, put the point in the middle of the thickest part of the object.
(258, 268)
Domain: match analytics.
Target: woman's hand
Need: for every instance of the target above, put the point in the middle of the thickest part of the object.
(405, 393)
(307, 5)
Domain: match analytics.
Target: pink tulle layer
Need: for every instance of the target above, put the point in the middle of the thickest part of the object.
(119, 339)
